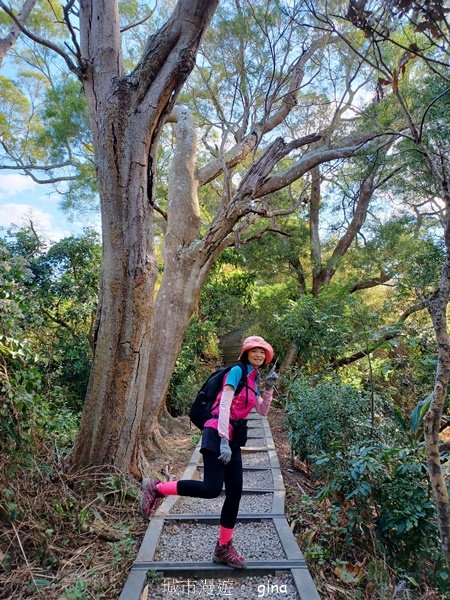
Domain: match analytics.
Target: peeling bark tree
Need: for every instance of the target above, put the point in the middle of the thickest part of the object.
(437, 307)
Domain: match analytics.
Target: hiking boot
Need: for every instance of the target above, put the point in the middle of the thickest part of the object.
(150, 497)
(228, 555)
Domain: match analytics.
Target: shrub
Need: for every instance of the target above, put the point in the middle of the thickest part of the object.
(326, 416)
(374, 481)
(382, 494)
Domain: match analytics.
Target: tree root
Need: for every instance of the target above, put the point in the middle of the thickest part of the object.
(169, 423)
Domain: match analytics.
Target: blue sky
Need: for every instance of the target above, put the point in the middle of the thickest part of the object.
(21, 199)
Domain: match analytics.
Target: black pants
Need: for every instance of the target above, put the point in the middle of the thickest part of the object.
(215, 474)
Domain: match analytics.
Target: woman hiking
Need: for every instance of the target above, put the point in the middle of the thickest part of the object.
(222, 438)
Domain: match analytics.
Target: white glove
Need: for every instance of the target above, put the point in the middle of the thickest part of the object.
(225, 451)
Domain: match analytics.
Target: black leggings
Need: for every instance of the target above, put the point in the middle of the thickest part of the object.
(215, 474)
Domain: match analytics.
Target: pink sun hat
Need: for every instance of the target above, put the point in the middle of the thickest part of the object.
(255, 341)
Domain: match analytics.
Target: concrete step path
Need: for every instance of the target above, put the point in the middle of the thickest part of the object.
(196, 579)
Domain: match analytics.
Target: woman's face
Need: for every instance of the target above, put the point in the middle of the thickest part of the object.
(256, 357)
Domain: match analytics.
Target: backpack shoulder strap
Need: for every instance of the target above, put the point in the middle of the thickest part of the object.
(243, 380)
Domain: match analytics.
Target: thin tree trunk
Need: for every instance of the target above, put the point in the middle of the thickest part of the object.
(437, 308)
(314, 209)
(290, 358)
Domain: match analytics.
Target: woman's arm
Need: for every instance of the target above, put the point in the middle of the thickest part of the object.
(224, 411)
(263, 402)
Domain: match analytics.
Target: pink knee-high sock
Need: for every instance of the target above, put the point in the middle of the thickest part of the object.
(225, 535)
(168, 488)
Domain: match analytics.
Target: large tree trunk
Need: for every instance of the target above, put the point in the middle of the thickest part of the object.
(126, 115)
(175, 305)
(117, 381)
(186, 265)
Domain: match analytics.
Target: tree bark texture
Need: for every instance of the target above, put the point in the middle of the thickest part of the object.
(325, 274)
(126, 115)
(185, 268)
(437, 307)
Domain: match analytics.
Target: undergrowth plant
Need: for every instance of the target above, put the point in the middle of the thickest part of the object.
(375, 495)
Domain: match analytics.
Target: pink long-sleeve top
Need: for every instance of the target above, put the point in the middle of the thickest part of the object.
(228, 406)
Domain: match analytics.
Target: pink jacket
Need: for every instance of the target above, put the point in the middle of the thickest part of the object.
(236, 407)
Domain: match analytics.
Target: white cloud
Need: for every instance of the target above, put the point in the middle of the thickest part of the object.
(13, 184)
(20, 214)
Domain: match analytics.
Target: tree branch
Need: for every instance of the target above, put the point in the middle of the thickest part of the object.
(7, 42)
(67, 10)
(59, 321)
(390, 334)
(365, 194)
(347, 147)
(259, 235)
(179, 36)
(136, 23)
(43, 42)
(242, 149)
(314, 238)
(365, 284)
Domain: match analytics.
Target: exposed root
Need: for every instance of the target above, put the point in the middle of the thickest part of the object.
(171, 424)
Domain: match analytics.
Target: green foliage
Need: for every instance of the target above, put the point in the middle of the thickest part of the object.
(384, 488)
(13, 104)
(275, 258)
(123, 550)
(48, 302)
(227, 294)
(271, 303)
(325, 327)
(64, 119)
(376, 479)
(77, 591)
(394, 247)
(65, 285)
(416, 417)
(20, 383)
(19, 375)
(326, 416)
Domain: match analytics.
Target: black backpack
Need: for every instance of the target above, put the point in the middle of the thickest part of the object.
(201, 408)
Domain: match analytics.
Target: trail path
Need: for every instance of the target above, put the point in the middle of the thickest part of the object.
(174, 560)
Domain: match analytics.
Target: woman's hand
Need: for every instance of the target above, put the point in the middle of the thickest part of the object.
(225, 451)
(271, 380)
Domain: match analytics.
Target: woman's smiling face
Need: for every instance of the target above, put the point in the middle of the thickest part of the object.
(256, 357)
